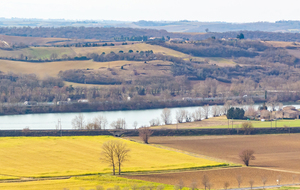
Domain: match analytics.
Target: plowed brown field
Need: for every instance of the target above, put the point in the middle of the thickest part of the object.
(276, 155)
(280, 152)
(219, 176)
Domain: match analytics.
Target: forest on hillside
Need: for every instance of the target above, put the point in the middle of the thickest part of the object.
(110, 33)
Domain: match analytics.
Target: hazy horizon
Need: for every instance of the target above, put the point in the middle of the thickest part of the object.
(232, 11)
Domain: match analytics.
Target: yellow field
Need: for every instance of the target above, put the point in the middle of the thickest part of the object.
(90, 182)
(53, 68)
(66, 156)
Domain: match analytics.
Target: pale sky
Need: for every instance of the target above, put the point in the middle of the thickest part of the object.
(170, 10)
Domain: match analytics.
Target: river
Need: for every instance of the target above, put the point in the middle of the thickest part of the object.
(49, 120)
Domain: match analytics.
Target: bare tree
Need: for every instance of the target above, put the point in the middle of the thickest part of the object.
(251, 112)
(209, 185)
(154, 122)
(294, 177)
(121, 152)
(197, 115)
(160, 187)
(188, 116)
(206, 110)
(264, 180)
(247, 127)
(226, 185)
(246, 156)
(78, 122)
(180, 115)
(205, 181)
(280, 106)
(166, 116)
(101, 122)
(145, 133)
(239, 180)
(135, 124)
(119, 124)
(108, 154)
(251, 182)
(215, 111)
(114, 152)
(180, 185)
(193, 185)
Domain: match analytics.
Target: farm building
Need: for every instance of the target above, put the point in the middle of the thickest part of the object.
(288, 112)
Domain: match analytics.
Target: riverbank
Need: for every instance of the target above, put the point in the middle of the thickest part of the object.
(156, 132)
(71, 107)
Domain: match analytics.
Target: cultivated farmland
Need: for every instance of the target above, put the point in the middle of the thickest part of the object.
(67, 156)
(278, 152)
(75, 183)
(220, 176)
(52, 68)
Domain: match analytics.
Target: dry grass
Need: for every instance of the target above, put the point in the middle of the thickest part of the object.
(45, 52)
(126, 48)
(278, 152)
(281, 43)
(53, 68)
(41, 41)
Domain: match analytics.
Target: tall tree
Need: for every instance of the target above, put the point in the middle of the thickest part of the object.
(108, 154)
(121, 152)
(166, 116)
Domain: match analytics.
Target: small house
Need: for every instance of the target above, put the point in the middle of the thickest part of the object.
(30, 103)
(288, 112)
(83, 101)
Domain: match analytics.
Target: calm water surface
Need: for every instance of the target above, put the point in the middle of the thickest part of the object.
(49, 120)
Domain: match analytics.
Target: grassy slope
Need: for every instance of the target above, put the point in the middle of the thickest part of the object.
(45, 52)
(55, 156)
(53, 68)
(89, 182)
(41, 41)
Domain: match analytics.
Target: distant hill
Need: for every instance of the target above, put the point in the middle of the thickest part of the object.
(170, 26)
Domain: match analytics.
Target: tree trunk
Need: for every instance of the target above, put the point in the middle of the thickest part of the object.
(119, 168)
(114, 173)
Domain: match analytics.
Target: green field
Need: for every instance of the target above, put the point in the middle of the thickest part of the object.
(88, 182)
(223, 122)
(69, 156)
